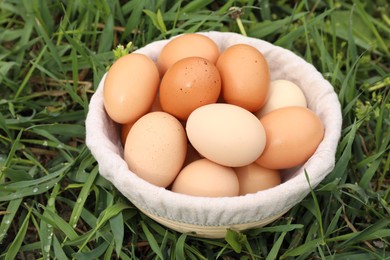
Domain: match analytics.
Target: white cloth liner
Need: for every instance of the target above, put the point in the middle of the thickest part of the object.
(102, 139)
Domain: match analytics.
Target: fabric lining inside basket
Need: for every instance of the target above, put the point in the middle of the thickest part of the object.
(103, 140)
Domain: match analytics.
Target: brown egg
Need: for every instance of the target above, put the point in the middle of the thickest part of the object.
(292, 136)
(188, 84)
(253, 178)
(187, 45)
(245, 76)
(155, 148)
(207, 179)
(130, 87)
(125, 128)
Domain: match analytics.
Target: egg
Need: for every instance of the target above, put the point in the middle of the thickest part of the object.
(125, 128)
(282, 93)
(130, 87)
(187, 45)
(207, 179)
(245, 76)
(293, 135)
(253, 178)
(188, 84)
(155, 148)
(226, 134)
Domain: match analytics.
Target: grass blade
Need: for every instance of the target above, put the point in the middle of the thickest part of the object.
(366, 233)
(76, 212)
(236, 240)
(12, 151)
(302, 249)
(93, 254)
(276, 247)
(342, 163)
(333, 224)
(106, 215)
(274, 229)
(31, 187)
(57, 222)
(118, 230)
(195, 5)
(58, 249)
(46, 235)
(8, 217)
(107, 37)
(179, 246)
(17, 242)
(151, 240)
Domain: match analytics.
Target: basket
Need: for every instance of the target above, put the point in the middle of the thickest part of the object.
(211, 217)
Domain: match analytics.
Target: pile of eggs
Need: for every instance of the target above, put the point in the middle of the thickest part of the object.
(207, 123)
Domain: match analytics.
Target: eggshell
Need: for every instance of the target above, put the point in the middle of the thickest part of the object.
(155, 148)
(226, 134)
(130, 87)
(207, 179)
(188, 84)
(293, 135)
(282, 93)
(245, 76)
(125, 128)
(253, 178)
(187, 45)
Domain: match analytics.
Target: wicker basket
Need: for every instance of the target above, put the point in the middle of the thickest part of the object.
(211, 217)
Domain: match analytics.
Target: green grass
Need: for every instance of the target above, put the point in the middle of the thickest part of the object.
(53, 202)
